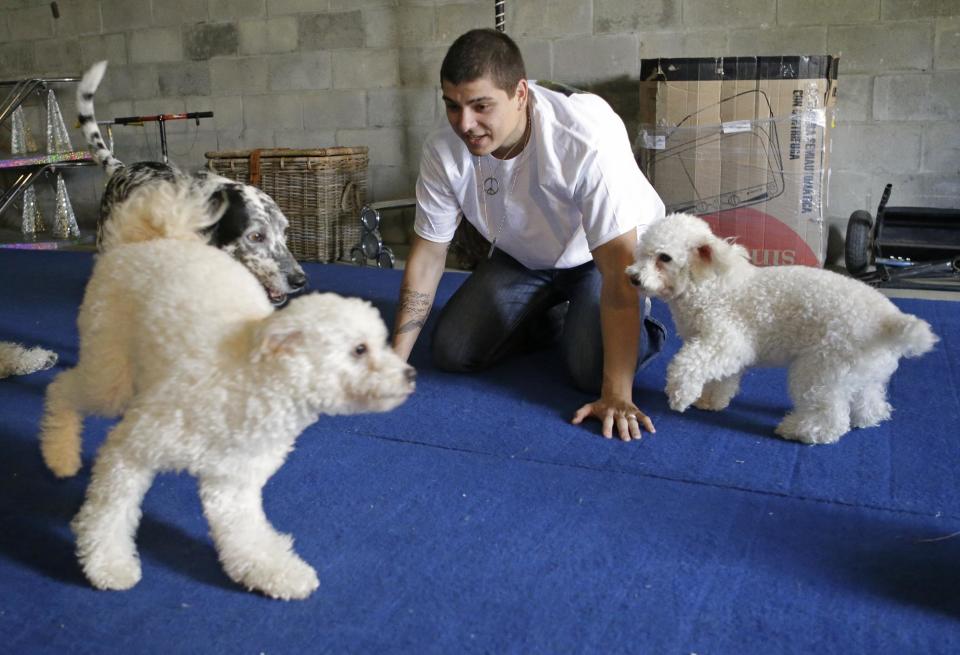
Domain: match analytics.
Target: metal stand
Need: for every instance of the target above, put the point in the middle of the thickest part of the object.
(160, 120)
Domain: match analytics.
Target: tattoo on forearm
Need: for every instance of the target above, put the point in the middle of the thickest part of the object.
(409, 326)
(415, 306)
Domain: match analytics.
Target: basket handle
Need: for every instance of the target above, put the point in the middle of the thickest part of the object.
(255, 167)
(350, 193)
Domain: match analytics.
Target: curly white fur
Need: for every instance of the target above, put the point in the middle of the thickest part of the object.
(841, 339)
(16, 359)
(178, 338)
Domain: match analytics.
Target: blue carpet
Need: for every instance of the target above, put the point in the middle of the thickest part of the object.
(476, 519)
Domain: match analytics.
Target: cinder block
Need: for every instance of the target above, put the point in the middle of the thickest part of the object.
(849, 191)
(269, 36)
(288, 7)
(922, 189)
(612, 16)
(732, 13)
(124, 15)
(537, 57)
(455, 19)
(134, 82)
(828, 12)
(941, 147)
(778, 41)
(77, 17)
(877, 148)
(948, 43)
(365, 69)
(413, 148)
(153, 106)
(421, 66)
(16, 59)
(334, 110)
(30, 22)
(184, 79)
(854, 98)
(306, 71)
(4, 30)
(221, 10)
(155, 45)
(556, 18)
(346, 5)
(304, 139)
(386, 144)
(201, 103)
(883, 48)
(913, 9)
(398, 107)
(403, 26)
(112, 47)
(272, 112)
(328, 31)
(244, 139)
(227, 112)
(390, 183)
(180, 12)
(207, 40)
(246, 75)
(688, 43)
(187, 144)
(57, 57)
(917, 97)
(595, 58)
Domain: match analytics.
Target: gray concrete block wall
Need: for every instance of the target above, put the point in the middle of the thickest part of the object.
(364, 72)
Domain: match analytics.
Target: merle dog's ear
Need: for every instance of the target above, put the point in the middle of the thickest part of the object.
(218, 202)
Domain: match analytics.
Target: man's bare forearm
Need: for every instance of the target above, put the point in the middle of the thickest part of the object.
(417, 291)
(413, 310)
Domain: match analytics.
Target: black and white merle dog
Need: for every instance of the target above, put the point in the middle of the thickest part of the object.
(252, 228)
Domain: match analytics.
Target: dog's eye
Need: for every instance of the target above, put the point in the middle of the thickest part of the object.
(665, 258)
(360, 350)
(256, 237)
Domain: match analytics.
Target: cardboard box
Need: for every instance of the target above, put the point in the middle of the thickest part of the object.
(743, 142)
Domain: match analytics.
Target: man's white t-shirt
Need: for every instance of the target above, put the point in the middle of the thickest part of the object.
(574, 187)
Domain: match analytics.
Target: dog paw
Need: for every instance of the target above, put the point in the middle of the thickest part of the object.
(711, 402)
(287, 578)
(809, 431)
(62, 459)
(115, 573)
(680, 397)
(868, 417)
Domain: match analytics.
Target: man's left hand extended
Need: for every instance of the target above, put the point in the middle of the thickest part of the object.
(626, 416)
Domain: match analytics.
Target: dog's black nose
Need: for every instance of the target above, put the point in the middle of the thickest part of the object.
(635, 280)
(297, 281)
(411, 374)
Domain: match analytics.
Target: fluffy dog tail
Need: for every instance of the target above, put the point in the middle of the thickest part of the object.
(162, 211)
(88, 123)
(908, 334)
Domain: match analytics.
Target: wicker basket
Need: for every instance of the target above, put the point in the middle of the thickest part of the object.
(321, 192)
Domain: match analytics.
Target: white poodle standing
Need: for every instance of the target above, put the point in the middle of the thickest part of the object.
(179, 339)
(841, 339)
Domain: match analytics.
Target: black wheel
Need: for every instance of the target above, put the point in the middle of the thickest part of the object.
(857, 247)
(386, 259)
(371, 244)
(357, 256)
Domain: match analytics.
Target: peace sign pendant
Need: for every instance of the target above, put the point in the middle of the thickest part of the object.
(491, 186)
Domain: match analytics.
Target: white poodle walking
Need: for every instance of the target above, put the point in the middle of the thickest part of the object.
(179, 339)
(841, 338)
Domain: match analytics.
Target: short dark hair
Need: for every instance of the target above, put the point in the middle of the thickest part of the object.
(483, 52)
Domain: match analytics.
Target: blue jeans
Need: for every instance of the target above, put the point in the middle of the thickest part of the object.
(504, 308)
